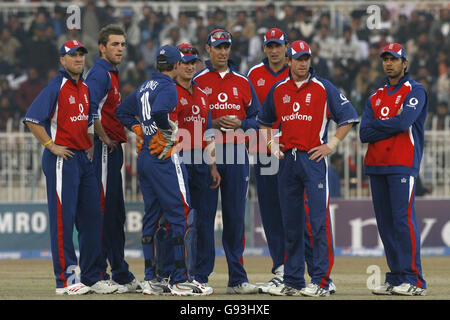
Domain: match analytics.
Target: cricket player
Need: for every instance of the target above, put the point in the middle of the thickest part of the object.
(393, 125)
(61, 119)
(234, 106)
(194, 117)
(304, 104)
(263, 76)
(103, 81)
(162, 176)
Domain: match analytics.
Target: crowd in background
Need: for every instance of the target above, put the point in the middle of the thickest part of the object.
(349, 56)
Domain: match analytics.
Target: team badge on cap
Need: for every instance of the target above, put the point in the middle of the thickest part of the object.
(275, 35)
(168, 55)
(395, 49)
(298, 48)
(69, 47)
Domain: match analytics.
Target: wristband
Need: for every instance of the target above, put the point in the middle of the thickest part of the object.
(269, 143)
(332, 144)
(48, 142)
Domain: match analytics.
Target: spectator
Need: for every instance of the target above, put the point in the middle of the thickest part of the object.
(220, 17)
(130, 25)
(39, 51)
(137, 74)
(29, 89)
(361, 87)
(401, 32)
(239, 53)
(288, 15)
(441, 120)
(327, 43)
(319, 64)
(443, 82)
(16, 29)
(58, 21)
(150, 26)
(422, 59)
(271, 18)
(148, 54)
(303, 24)
(347, 47)
(9, 45)
(5, 66)
(248, 27)
(185, 27)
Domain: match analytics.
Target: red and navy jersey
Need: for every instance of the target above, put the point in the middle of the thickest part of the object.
(192, 114)
(395, 140)
(63, 109)
(103, 82)
(263, 79)
(231, 95)
(304, 112)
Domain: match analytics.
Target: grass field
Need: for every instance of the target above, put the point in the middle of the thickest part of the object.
(33, 280)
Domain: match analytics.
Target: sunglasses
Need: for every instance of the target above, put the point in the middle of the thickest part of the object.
(189, 50)
(221, 35)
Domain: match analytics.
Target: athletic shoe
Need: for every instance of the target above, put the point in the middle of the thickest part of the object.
(243, 288)
(74, 289)
(383, 290)
(130, 287)
(332, 287)
(314, 290)
(407, 289)
(156, 287)
(275, 282)
(188, 288)
(104, 287)
(283, 290)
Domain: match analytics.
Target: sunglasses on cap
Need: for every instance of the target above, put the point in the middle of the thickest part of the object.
(221, 35)
(188, 50)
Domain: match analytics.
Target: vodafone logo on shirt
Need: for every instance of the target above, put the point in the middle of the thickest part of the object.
(195, 116)
(296, 115)
(223, 103)
(81, 116)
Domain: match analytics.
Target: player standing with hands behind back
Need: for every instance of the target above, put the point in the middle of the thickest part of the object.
(393, 125)
(304, 103)
(103, 82)
(263, 76)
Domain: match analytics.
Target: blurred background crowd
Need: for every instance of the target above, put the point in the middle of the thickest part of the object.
(348, 55)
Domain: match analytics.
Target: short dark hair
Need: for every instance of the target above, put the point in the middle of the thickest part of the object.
(110, 29)
(160, 67)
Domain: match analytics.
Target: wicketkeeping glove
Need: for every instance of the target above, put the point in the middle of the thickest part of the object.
(137, 129)
(164, 142)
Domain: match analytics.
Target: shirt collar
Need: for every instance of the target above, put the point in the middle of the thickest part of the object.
(106, 64)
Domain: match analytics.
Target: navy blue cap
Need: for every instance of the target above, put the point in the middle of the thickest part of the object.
(219, 36)
(170, 53)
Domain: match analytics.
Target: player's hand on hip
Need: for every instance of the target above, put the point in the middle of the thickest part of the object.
(60, 151)
(319, 152)
(90, 153)
(137, 129)
(112, 144)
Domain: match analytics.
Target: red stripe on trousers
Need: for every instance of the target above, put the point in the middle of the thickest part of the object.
(60, 240)
(330, 247)
(413, 242)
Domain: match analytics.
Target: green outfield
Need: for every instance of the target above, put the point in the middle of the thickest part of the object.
(33, 280)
